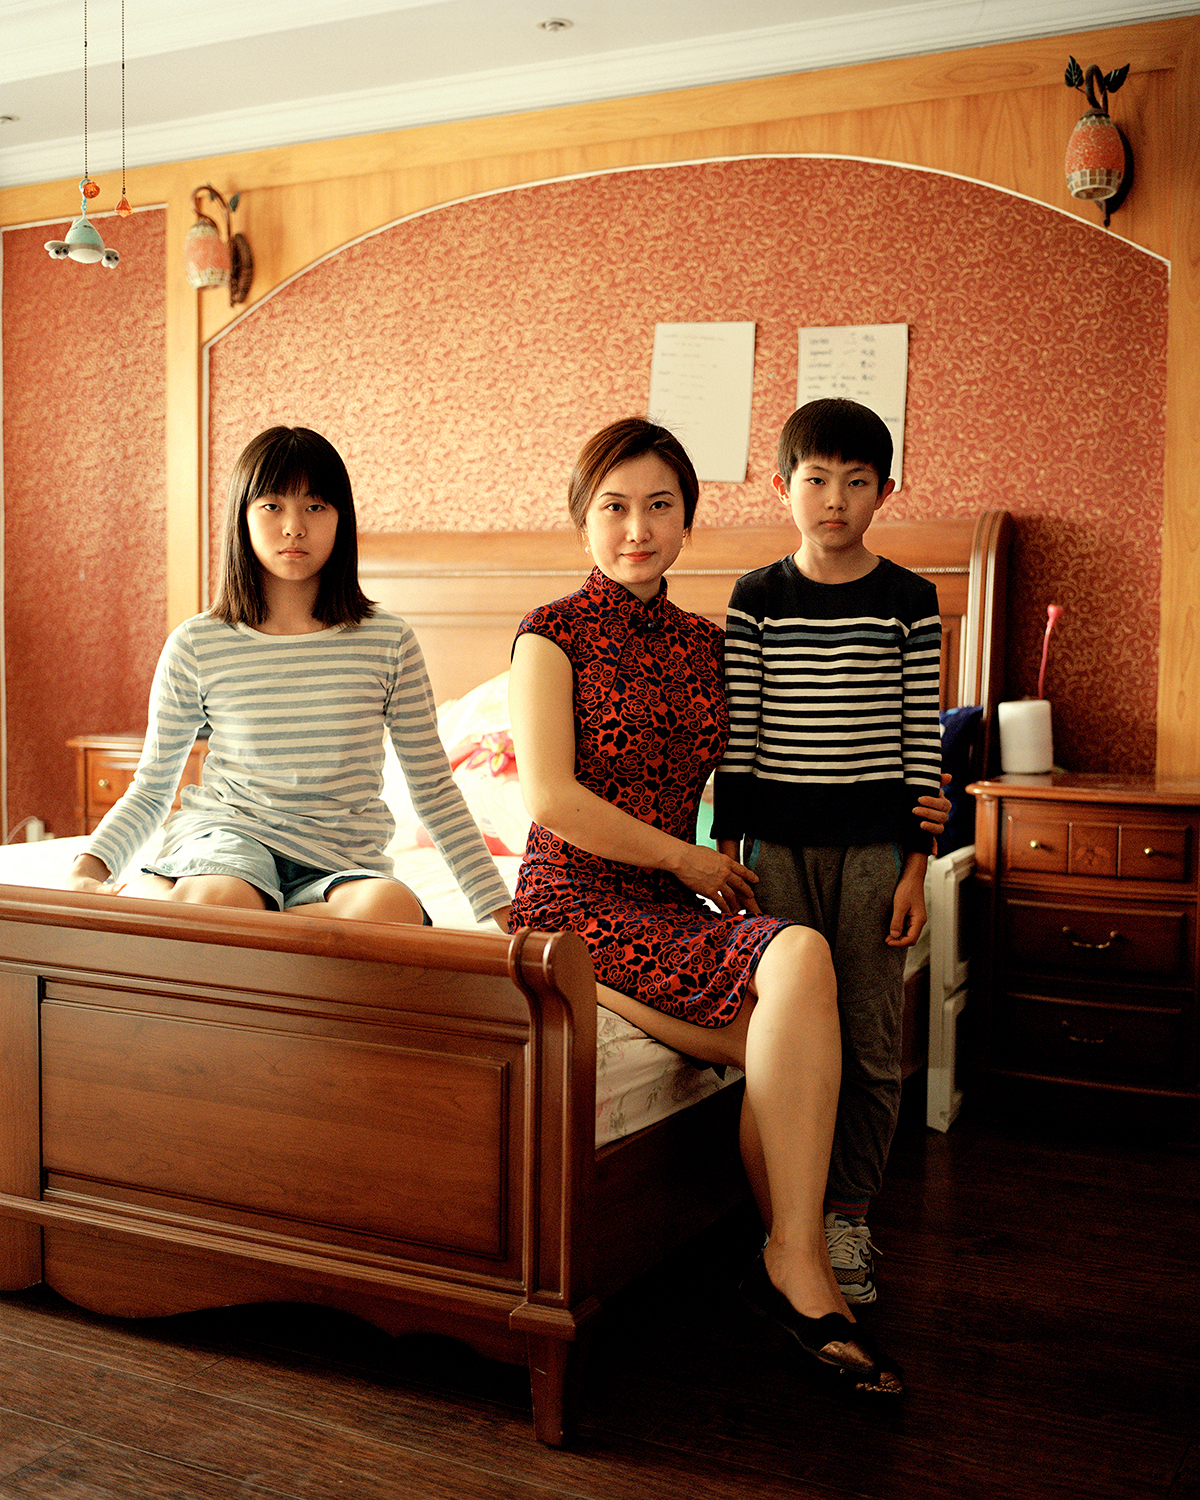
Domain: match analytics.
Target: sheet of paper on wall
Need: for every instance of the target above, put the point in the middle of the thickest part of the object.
(866, 362)
(701, 382)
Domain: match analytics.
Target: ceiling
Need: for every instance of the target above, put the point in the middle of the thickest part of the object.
(235, 75)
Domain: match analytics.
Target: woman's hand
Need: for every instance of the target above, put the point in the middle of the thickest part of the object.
(89, 874)
(934, 812)
(500, 917)
(717, 875)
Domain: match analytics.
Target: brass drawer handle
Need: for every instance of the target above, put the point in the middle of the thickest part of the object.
(104, 782)
(1079, 943)
(1033, 844)
(1151, 853)
(1085, 1041)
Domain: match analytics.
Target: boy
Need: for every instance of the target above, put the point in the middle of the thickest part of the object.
(831, 670)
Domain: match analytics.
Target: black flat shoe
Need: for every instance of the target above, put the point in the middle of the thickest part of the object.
(834, 1346)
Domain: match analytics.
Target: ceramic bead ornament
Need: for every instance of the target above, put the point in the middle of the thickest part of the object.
(1099, 162)
(83, 242)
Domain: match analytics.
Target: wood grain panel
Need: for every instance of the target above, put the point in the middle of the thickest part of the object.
(258, 1119)
(1179, 658)
(20, 1147)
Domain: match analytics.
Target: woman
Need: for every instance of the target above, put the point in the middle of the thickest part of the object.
(618, 718)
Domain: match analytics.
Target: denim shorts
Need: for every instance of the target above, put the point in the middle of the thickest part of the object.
(282, 881)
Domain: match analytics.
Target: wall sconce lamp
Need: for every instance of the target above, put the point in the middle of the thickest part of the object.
(209, 260)
(1099, 160)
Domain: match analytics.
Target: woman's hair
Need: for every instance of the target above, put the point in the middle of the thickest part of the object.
(289, 461)
(617, 444)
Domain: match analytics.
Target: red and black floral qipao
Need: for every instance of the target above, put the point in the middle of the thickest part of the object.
(650, 726)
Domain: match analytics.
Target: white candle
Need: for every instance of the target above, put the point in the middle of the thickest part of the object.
(1026, 742)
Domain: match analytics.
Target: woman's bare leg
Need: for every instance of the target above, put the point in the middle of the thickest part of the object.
(793, 1072)
(788, 1043)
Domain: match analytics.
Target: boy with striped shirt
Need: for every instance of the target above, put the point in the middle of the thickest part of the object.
(832, 658)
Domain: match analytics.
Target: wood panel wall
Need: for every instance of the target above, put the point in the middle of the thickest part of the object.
(998, 114)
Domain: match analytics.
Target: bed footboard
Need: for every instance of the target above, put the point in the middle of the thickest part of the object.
(208, 1107)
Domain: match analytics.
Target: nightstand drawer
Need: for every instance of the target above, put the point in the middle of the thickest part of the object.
(1154, 851)
(1055, 840)
(1126, 944)
(108, 776)
(1037, 839)
(1101, 1042)
(106, 764)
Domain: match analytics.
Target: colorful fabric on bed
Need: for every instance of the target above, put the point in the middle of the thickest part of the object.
(295, 759)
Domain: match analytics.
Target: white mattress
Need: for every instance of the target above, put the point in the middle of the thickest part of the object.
(638, 1080)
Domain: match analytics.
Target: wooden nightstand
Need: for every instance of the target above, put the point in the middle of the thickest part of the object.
(1084, 971)
(105, 764)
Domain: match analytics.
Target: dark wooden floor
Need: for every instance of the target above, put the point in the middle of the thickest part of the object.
(1040, 1291)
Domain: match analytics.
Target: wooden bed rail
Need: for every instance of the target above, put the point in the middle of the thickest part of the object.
(208, 1106)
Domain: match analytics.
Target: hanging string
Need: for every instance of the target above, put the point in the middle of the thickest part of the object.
(123, 207)
(87, 187)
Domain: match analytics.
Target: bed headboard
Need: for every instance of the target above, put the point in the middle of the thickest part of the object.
(464, 593)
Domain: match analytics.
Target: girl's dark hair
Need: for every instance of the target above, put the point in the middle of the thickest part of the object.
(289, 461)
(616, 444)
(834, 427)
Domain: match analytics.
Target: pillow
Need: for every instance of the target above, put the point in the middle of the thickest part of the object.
(960, 735)
(475, 730)
(469, 718)
(485, 769)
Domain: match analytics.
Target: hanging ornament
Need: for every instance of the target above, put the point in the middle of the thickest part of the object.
(1099, 162)
(124, 208)
(83, 242)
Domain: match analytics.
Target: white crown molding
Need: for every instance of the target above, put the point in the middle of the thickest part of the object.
(943, 26)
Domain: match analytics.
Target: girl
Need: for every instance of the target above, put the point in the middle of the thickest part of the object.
(296, 672)
(618, 717)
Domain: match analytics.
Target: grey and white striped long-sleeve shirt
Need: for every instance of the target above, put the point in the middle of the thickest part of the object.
(296, 753)
(833, 707)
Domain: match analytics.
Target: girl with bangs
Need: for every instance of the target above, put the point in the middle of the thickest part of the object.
(295, 675)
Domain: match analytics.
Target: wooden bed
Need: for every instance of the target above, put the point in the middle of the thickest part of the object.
(210, 1107)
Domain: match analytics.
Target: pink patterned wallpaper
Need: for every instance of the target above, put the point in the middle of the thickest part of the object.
(459, 359)
(84, 500)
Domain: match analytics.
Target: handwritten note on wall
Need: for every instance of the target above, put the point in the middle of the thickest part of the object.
(866, 362)
(701, 382)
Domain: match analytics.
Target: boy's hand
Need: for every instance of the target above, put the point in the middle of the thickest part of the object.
(908, 904)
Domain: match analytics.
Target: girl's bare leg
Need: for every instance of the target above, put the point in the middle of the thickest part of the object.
(199, 890)
(366, 901)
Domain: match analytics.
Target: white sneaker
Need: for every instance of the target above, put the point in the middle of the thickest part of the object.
(850, 1250)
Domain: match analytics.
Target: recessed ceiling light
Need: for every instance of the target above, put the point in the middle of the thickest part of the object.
(555, 23)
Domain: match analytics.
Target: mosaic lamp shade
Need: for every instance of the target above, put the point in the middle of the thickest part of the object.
(206, 256)
(1095, 157)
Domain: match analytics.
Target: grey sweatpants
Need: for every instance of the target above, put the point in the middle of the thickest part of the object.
(846, 894)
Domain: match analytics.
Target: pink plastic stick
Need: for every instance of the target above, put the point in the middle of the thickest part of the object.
(1052, 613)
